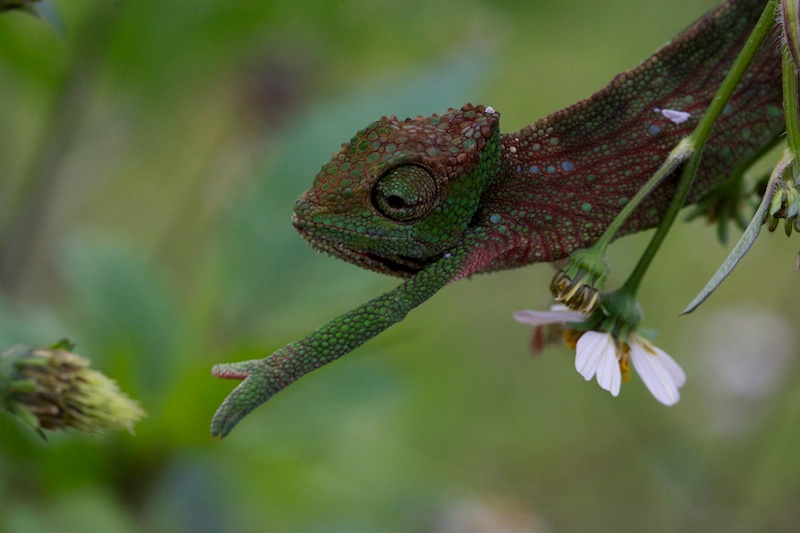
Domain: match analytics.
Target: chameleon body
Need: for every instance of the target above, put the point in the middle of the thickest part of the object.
(435, 199)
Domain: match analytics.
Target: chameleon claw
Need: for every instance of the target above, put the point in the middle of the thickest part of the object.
(260, 382)
(230, 371)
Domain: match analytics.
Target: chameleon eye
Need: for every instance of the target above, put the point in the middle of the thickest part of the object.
(405, 193)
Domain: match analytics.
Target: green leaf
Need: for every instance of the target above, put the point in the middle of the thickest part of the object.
(745, 242)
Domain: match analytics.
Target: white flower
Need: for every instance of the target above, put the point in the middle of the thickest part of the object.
(596, 354)
(660, 373)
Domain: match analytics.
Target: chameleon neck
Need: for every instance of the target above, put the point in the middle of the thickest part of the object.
(565, 177)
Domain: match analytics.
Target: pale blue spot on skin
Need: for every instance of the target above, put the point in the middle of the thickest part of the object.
(654, 129)
(518, 168)
(567, 166)
(551, 169)
(494, 219)
(534, 169)
(727, 110)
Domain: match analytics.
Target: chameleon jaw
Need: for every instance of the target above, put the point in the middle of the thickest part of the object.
(399, 266)
(393, 265)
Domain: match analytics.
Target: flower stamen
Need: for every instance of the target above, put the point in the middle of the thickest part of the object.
(578, 284)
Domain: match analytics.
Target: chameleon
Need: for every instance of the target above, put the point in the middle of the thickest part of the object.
(432, 200)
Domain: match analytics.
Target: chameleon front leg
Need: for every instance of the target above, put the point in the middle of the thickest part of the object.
(263, 378)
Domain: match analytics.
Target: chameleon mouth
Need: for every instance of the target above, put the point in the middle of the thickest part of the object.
(400, 265)
(394, 265)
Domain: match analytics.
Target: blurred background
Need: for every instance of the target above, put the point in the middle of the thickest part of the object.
(150, 155)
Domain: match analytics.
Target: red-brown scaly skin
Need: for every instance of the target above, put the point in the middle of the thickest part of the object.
(596, 154)
(439, 198)
(562, 180)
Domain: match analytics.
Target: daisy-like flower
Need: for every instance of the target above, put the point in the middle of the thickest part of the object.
(598, 354)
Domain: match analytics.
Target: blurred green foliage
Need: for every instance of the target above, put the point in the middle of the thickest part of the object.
(149, 158)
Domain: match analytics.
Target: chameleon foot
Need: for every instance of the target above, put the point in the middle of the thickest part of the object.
(261, 381)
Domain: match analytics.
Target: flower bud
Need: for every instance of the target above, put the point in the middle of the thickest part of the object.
(579, 283)
(53, 388)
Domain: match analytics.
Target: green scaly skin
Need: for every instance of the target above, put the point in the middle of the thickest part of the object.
(435, 199)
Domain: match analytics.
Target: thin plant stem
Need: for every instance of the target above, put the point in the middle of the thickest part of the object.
(22, 228)
(790, 105)
(673, 161)
(698, 140)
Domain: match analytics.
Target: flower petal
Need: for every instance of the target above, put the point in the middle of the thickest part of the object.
(671, 366)
(609, 375)
(558, 314)
(659, 372)
(588, 352)
(596, 354)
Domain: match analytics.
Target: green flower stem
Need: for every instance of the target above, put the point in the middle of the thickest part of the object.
(697, 141)
(579, 283)
(790, 105)
(22, 224)
(689, 151)
(790, 18)
(780, 198)
(677, 156)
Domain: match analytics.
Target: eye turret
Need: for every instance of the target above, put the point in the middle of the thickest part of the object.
(405, 193)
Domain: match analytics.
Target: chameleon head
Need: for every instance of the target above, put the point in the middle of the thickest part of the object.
(401, 193)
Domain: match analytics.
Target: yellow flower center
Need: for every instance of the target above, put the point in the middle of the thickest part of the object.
(571, 337)
(623, 356)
